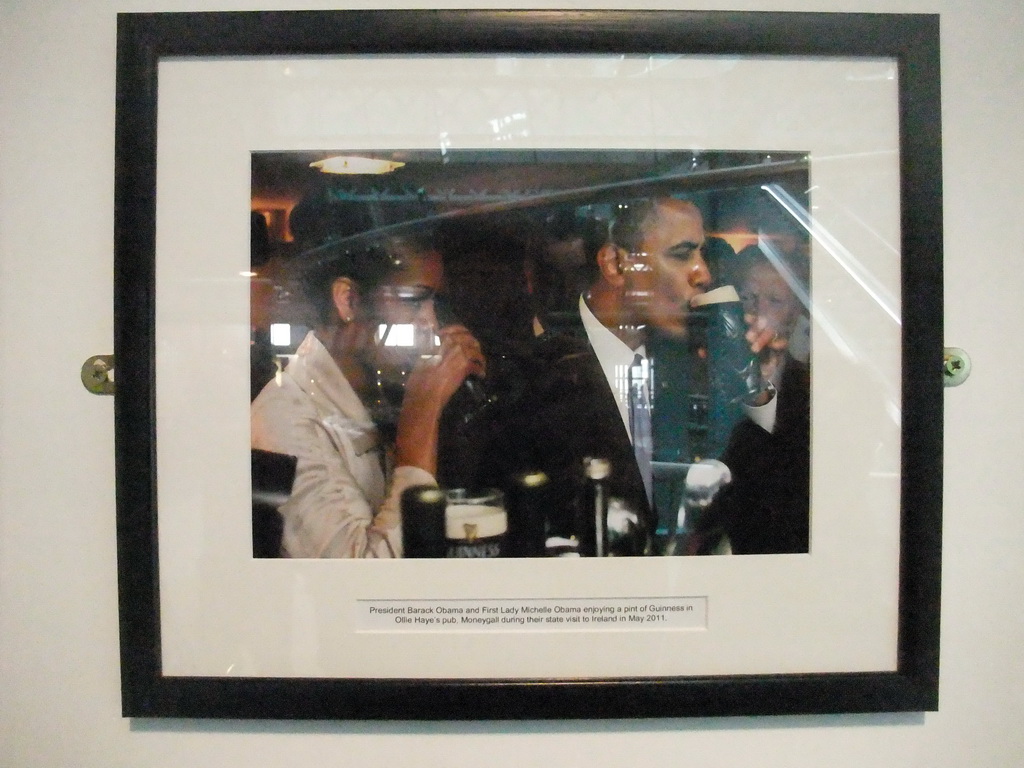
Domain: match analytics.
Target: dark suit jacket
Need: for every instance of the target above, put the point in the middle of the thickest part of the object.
(552, 409)
(766, 508)
(569, 414)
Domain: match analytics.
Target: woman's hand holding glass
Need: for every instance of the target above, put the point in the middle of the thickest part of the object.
(429, 387)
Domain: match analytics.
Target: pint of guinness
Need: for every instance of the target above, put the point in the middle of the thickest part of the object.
(475, 523)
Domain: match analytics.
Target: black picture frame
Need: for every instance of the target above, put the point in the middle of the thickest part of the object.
(143, 40)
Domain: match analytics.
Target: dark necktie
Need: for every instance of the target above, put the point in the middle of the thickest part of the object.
(640, 421)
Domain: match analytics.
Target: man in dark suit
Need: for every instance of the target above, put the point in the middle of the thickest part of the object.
(645, 277)
(586, 390)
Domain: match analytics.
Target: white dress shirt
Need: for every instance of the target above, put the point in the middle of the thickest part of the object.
(615, 357)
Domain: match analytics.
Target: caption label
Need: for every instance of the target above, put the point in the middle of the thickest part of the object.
(525, 615)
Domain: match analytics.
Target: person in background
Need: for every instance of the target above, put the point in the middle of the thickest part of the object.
(345, 501)
(765, 509)
(770, 301)
(487, 260)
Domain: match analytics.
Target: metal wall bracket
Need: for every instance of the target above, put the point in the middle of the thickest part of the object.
(956, 366)
(98, 374)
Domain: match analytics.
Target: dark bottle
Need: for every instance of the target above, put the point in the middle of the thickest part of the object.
(593, 512)
(528, 500)
(423, 517)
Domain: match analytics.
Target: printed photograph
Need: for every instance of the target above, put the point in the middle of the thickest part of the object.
(530, 353)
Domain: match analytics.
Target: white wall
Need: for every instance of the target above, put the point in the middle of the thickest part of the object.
(59, 685)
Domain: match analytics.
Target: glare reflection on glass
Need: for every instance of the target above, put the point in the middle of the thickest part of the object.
(281, 334)
(510, 126)
(397, 334)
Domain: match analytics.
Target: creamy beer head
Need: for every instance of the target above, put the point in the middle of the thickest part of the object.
(475, 524)
(717, 296)
(470, 522)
